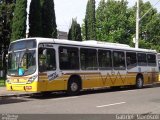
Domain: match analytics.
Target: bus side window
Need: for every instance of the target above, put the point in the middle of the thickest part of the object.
(119, 60)
(42, 61)
(151, 59)
(142, 60)
(68, 58)
(47, 59)
(104, 59)
(50, 59)
(88, 59)
(131, 60)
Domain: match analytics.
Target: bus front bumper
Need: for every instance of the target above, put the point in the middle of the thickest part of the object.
(22, 87)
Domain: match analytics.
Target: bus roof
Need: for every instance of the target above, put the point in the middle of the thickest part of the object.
(89, 43)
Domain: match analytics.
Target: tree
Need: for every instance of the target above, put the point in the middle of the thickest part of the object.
(49, 27)
(19, 20)
(150, 30)
(149, 26)
(75, 31)
(6, 15)
(35, 24)
(89, 28)
(115, 22)
(100, 23)
(112, 21)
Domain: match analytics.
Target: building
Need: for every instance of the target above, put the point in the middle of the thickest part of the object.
(62, 35)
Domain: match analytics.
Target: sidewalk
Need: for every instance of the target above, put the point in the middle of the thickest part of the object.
(5, 93)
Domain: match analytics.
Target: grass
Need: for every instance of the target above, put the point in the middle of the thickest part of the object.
(2, 82)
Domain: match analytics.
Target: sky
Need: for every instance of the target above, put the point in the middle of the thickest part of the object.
(65, 10)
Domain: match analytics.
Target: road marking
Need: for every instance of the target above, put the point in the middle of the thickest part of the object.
(65, 98)
(110, 104)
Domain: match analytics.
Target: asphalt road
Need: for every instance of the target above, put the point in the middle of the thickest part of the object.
(108, 101)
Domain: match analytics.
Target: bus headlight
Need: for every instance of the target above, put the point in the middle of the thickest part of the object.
(31, 79)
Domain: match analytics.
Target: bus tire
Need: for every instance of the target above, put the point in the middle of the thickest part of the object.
(139, 82)
(73, 86)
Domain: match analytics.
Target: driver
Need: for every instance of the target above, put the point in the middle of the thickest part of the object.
(22, 67)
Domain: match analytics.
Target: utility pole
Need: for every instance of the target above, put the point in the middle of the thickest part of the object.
(137, 26)
(138, 19)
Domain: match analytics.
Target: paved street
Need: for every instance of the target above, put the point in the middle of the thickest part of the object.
(4, 92)
(140, 101)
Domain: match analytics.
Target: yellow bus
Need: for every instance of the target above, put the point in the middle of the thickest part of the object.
(44, 65)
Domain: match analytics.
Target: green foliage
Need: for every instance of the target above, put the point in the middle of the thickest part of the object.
(6, 15)
(83, 30)
(19, 20)
(2, 82)
(75, 31)
(35, 24)
(112, 21)
(89, 28)
(149, 26)
(49, 27)
(115, 22)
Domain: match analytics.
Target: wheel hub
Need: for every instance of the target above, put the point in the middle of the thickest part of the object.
(74, 86)
(139, 82)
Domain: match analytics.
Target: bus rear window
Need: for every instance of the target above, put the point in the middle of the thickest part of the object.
(24, 44)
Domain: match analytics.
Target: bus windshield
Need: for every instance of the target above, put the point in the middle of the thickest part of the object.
(21, 63)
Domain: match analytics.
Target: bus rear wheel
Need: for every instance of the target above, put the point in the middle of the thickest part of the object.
(139, 82)
(73, 87)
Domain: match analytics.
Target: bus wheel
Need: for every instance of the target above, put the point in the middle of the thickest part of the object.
(73, 87)
(139, 82)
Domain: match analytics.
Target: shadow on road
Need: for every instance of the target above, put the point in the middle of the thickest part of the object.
(10, 100)
(55, 95)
